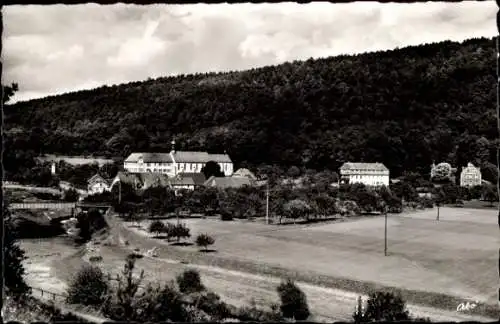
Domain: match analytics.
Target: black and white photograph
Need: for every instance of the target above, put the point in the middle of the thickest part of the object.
(250, 162)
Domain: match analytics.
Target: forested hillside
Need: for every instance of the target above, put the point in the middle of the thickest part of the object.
(404, 108)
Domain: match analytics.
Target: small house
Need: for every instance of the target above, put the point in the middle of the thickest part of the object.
(97, 185)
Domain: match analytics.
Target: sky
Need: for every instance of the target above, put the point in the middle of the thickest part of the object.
(55, 49)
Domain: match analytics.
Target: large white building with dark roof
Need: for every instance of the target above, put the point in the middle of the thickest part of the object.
(370, 174)
(175, 162)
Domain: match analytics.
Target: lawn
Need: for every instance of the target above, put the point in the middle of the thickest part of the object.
(456, 256)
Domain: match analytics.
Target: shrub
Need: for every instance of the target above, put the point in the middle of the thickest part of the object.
(13, 259)
(156, 227)
(180, 231)
(189, 282)
(121, 305)
(383, 306)
(158, 304)
(204, 240)
(211, 304)
(71, 195)
(226, 216)
(293, 301)
(88, 287)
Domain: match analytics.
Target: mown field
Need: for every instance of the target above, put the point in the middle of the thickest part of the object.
(434, 264)
(456, 256)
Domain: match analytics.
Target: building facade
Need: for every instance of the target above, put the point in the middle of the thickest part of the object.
(175, 162)
(369, 174)
(470, 176)
(97, 185)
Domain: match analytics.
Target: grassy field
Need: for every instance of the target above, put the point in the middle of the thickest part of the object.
(456, 256)
(431, 263)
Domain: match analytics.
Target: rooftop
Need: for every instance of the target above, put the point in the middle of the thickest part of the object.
(364, 166)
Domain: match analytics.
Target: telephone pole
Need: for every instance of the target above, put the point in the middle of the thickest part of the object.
(385, 232)
(267, 203)
(119, 192)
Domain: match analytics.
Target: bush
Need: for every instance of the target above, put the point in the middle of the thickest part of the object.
(226, 216)
(189, 282)
(121, 304)
(211, 304)
(293, 301)
(13, 257)
(71, 195)
(158, 304)
(156, 227)
(88, 287)
(383, 306)
(204, 240)
(180, 231)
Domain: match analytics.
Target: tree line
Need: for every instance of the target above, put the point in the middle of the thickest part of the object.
(405, 108)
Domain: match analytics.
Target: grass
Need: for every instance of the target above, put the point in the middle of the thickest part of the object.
(430, 263)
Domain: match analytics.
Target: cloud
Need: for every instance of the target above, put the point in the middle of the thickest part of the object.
(54, 49)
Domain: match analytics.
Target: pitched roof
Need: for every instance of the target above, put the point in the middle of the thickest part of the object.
(198, 177)
(181, 181)
(199, 157)
(97, 177)
(150, 157)
(243, 172)
(364, 166)
(221, 158)
(227, 182)
(149, 179)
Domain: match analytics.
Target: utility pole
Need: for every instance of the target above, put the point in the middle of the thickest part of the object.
(267, 203)
(385, 232)
(119, 192)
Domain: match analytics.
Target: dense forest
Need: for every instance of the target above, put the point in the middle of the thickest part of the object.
(406, 108)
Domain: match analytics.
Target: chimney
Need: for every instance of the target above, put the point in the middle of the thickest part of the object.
(173, 146)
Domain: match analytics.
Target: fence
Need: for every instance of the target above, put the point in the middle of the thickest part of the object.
(49, 295)
(44, 205)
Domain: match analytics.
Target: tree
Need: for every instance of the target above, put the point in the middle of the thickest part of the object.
(490, 194)
(71, 195)
(212, 168)
(293, 301)
(9, 91)
(211, 303)
(121, 305)
(366, 198)
(204, 240)
(489, 172)
(169, 230)
(325, 204)
(442, 173)
(13, 269)
(180, 231)
(88, 287)
(297, 208)
(160, 304)
(156, 227)
(293, 172)
(189, 282)
(383, 306)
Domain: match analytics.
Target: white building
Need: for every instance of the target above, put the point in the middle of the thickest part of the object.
(97, 184)
(175, 162)
(370, 174)
(470, 176)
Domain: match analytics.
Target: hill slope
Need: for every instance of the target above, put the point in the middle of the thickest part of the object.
(404, 108)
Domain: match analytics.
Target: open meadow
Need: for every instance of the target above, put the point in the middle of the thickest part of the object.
(455, 256)
(427, 260)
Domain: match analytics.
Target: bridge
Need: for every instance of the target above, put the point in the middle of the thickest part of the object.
(42, 205)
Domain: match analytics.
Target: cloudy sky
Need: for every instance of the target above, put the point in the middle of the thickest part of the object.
(56, 49)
